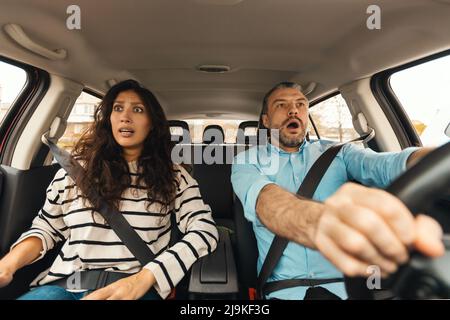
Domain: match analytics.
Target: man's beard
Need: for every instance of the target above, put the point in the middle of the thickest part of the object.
(292, 142)
(285, 141)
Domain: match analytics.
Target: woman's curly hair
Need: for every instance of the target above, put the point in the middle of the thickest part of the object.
(106, 170)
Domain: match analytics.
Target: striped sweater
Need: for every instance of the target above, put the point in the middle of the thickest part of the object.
(91, 244)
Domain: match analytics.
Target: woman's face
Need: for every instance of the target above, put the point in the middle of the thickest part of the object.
(130, 122)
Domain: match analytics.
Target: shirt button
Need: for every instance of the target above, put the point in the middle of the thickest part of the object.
(311, 274)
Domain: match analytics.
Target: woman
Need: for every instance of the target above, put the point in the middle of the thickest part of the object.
(126, 157)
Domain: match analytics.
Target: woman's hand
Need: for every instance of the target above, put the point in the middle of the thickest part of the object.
(21, 255)
(129, 288)
(6, 274)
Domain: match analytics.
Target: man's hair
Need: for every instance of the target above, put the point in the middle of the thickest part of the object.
(281, 85)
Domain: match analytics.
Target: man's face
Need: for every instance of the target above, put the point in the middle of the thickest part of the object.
(288, 112)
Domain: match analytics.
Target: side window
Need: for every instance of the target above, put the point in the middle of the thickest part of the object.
(424, 93)
(80, 118)
(333, 120)
(12, 81)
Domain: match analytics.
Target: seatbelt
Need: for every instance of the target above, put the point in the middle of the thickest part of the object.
(113, 217)
(306, 190)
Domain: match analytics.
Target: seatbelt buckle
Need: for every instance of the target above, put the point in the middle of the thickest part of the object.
(253, 294)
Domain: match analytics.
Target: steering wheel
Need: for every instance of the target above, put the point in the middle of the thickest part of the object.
(421, 277)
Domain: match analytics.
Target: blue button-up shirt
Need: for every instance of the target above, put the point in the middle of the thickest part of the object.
(262, 165)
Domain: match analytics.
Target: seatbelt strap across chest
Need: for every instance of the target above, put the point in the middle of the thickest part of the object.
(113, 217)
(306, 190)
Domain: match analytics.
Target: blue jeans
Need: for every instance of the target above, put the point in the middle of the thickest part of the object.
(52, 292)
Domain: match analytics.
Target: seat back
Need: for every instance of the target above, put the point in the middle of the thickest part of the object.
(246, 251)
(215, 186)
(23, 195)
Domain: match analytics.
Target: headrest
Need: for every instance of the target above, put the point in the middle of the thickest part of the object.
(243, 135)
(213, 133)
(179, 130)
(248, 124)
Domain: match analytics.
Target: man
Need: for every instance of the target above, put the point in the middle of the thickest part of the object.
(351, 228)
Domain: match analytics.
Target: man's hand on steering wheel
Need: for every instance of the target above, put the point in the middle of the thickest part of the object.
(362, 226)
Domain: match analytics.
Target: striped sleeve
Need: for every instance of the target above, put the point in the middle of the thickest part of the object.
(49, 225)
(200, 236)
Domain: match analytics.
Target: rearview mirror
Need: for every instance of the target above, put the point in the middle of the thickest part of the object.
(447, 131)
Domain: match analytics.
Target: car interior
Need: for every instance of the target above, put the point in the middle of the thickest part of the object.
(211, 60)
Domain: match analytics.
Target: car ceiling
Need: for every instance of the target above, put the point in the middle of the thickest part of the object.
(161, 42)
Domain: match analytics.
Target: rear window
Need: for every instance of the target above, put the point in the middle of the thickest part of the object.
(197, 126)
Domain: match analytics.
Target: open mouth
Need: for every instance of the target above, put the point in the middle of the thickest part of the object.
(126, 132)
(293, 124)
